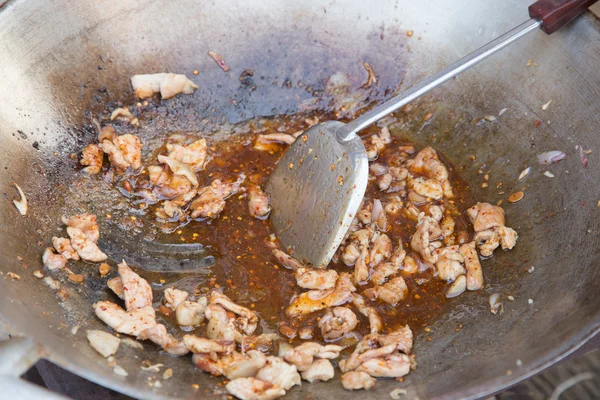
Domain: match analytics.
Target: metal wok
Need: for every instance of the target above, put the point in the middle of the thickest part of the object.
(61, 61)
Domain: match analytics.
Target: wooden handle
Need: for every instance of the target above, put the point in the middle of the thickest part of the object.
(555, 14)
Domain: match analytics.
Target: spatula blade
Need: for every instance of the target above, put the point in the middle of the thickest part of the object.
(316, 190)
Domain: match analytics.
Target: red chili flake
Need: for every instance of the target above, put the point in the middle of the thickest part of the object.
(537, 123)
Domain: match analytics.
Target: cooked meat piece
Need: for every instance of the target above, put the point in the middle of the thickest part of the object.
(116, 285)
(429, 188)
(248, 319)
(319, 370)
(385, 135)
(123, 151)
(382, 271)
(302, 356)
(220, 326)
(391, 292)
(193, 154)
(179, 168)
(447, 226)
(169, 210)
(416, 199)
(426, 162)
(210, 363)
(226, 189)
(392, 366)
(103, 342)
(157, 175)
(174, 297)
(169, 85)
(410, 265)
(382, 249)
(184, 198)
(279, 373)
(276, 138)
(364, 216)
(106, 133)
(397, 257)
(127, 322)
(86, 248)
(259, 203)
(384, 181)
(457, 287)
(306, 333)
(401, 337)
(246, 365)
(449, 263)
(399, 173)
(306, 277)
(313, 278)
(472, 265)
(367, 349)
(363, 236)
(211, 199)
(191, 313)
(411, 211)
(53, 261)
(375, 322)
(485, 216)
(158, 334)
(316, 300)
(350, 254)
(201, 345)
(487, 241)
(115, 155)
(287, 261)
(378, 346)
(374, 145)
(136, 290)
(92, 156)
(354, 380)
(361, 271)
(345, 282)
(436, 212)
(121, 112)
(86, 222)
(508, 237)
(63, 246)
(175, 186)
(337, 322)
(427, 230)
(253, 389)
(261, 342)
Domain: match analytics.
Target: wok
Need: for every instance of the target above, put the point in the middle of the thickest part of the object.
(63, 61)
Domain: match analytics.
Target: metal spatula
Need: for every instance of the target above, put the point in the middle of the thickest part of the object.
(318, 185)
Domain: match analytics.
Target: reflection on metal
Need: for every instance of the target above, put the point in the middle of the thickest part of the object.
(316, 189)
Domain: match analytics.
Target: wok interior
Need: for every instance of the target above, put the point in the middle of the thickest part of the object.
(64, 61)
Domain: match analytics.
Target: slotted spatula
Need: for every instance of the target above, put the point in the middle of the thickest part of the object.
(318, 185)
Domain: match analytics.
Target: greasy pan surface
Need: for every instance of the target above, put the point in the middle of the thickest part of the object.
(62, 61)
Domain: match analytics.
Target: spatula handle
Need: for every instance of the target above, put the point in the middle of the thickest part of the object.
(554, 14)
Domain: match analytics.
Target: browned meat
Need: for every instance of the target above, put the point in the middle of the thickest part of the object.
(63, 246)
(137, 292)
(159, 335)
(258, 203)
(92, 156)
(168, 85)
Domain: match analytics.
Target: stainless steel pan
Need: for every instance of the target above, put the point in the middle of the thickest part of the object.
(61, 61)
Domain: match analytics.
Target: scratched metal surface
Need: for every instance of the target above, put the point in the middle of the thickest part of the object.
(63, 61)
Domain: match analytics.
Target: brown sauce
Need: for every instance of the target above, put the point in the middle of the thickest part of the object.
(244, 267)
